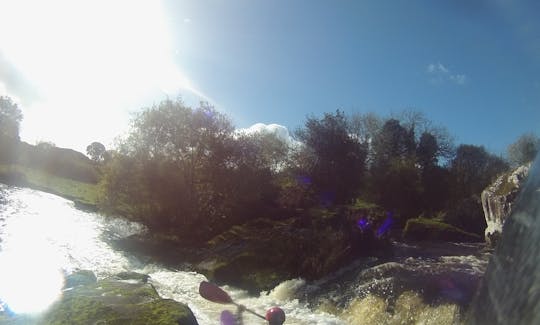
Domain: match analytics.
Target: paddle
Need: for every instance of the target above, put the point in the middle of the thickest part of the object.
(212, 292)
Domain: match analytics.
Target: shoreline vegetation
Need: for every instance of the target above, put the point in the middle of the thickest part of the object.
(254, 209)
(84, 195)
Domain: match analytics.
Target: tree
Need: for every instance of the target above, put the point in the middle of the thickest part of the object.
(434, 178)
(171, 167)
(473, 169)
(426, 151)
(420, 125)
(394, 179)
(10, 118)
(393, 142)
(247, 184)
(96, 151)
(45, 145)
(405, 172)
(524, 150)
(332, 157)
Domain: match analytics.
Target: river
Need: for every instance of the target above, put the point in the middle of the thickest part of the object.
(44, 237)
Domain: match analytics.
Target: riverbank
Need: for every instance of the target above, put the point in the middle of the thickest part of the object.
(83, 194)
(89, 241)
(252, 255)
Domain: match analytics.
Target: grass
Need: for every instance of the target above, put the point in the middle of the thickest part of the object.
(85, 193)
(429, 229)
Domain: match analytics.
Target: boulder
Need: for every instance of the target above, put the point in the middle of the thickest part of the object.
(123, 299)
(80, 277)
(498, 199)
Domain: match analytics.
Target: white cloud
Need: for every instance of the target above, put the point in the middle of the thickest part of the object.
(439, 73)
(279, 130)
(460, 79)
(437, 68)
(187, 20)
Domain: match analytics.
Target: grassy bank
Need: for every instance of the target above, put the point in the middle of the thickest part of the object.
(81, 192)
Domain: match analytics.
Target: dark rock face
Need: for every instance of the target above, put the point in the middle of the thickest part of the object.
(498, 200)
(510, 290)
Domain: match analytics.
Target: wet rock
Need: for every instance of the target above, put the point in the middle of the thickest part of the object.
(80, 277)
(111, 301)
(498, 200)
(132, 276)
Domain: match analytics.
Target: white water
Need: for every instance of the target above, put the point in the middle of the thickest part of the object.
(43, 237)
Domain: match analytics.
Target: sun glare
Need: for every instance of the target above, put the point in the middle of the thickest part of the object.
(29, 282)
(88, 58)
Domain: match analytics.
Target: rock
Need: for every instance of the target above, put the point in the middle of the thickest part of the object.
(510, 289)
(81, 277)
(421, 229)
(112, 301)
(498, 199)
(132, 277)
(262, 253)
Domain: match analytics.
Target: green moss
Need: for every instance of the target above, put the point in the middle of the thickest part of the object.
(115, 302)
(505, 187)
(165, 312)
(433, 230)
(360, 204)
(81, 310)
(84, 193)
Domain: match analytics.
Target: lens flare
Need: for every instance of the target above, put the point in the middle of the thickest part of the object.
(25, 289)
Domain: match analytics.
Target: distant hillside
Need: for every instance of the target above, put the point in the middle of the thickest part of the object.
(66, 163)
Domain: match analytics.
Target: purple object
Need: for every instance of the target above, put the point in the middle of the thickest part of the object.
(386, 225)
(227, 318)
(362, 223)
(304, 180)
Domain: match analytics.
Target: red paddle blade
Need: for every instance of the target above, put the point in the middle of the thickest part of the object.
(212, 292)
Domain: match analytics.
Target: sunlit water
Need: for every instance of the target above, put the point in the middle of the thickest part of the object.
(43, 238)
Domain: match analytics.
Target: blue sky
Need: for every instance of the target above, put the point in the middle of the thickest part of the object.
(472, 66)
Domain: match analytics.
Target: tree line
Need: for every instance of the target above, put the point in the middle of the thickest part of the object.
(189, 171)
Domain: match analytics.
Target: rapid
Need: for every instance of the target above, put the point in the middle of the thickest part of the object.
(44, 237)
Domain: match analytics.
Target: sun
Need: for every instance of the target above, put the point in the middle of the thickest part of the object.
(88, 60)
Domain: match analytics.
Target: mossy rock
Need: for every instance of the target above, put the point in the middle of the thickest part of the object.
(116, 302)
(81, 277)
(132, 276)
(250, 273)
(422, 229)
